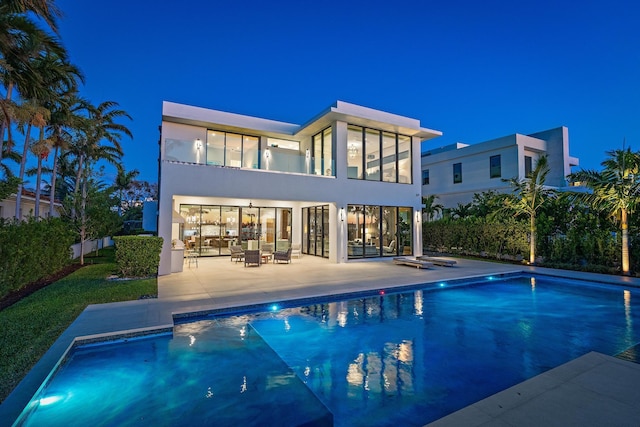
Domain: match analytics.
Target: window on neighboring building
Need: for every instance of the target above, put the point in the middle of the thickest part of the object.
(495, 169)
(527, 166)
(457, 173)
(425, 177)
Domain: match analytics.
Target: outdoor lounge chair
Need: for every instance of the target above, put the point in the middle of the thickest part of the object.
(284, 256)
(438, 261)
(252, 257)
(412, 262)
(236, 252)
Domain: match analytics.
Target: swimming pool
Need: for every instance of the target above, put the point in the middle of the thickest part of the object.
(403, 358)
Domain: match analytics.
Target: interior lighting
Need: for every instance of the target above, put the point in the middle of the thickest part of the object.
(353, 150)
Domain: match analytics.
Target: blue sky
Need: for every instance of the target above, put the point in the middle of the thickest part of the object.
(473, 70)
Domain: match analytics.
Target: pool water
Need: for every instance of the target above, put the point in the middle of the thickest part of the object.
(394, 359)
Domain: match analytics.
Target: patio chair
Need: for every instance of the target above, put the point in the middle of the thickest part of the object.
(236, 252)
(252, 257)
(284, 256)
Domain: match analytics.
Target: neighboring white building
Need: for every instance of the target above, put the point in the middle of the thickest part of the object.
(456, 172)
(345, 185)
(28, 206)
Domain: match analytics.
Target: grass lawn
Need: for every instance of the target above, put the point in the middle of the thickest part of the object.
(32, 325)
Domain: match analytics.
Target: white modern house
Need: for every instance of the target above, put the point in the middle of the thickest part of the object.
(345, 185)
(456, 172)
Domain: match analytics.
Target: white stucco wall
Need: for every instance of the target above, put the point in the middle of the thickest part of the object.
(202, 184)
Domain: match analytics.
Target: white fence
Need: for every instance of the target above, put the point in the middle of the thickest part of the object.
(91, 246)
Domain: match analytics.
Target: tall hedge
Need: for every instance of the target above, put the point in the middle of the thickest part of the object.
(475, 236)
(32, 250)
(138, 256)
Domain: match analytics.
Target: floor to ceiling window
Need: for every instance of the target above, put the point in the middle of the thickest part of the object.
(315, 230)
(375, 155)
(210, 230)
(375, 231)
(323, 153)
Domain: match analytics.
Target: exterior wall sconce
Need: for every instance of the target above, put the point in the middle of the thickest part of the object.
(342, 214)
(267, 154)
(418, 216)
(198, 144)
(307, 154)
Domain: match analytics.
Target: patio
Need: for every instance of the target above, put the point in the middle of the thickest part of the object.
(219, 283)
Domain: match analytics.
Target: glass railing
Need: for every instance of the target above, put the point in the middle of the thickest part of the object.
(274, 159)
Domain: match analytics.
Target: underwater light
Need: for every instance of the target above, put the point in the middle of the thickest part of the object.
(274, 307)
(490, 278)
(381, 292)
(442, 284)
(50, 400)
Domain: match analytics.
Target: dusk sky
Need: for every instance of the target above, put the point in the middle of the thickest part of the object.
(475, 70)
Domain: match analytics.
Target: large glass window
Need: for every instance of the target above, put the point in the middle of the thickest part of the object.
(323, 153)
(374, 231)
(232, 149)
(354, 152)
(215, 148)
(384, 156)
(372, 150)
(233, 154)
(405, 175)
(405, 231)
(250, 152)
(389, 157)
(389, 229)
(495, 169)
(211, 230)
(315, 231)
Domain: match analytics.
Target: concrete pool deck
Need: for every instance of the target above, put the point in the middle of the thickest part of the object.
(217, 283)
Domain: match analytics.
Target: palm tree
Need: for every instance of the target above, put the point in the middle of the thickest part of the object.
(22, 43)
(65, 117)
(44, 9)
(461, 211)
(529, 195)
(31, 115)
(123, 182)
(615, 190)
(101, 125)
(430, 208)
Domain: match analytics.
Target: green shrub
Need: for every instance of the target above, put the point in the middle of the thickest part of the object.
(138, 256)
(32, 250)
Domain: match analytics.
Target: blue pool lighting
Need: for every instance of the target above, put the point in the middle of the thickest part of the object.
(274, 307)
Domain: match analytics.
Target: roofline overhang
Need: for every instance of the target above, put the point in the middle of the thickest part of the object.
(340, 111)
